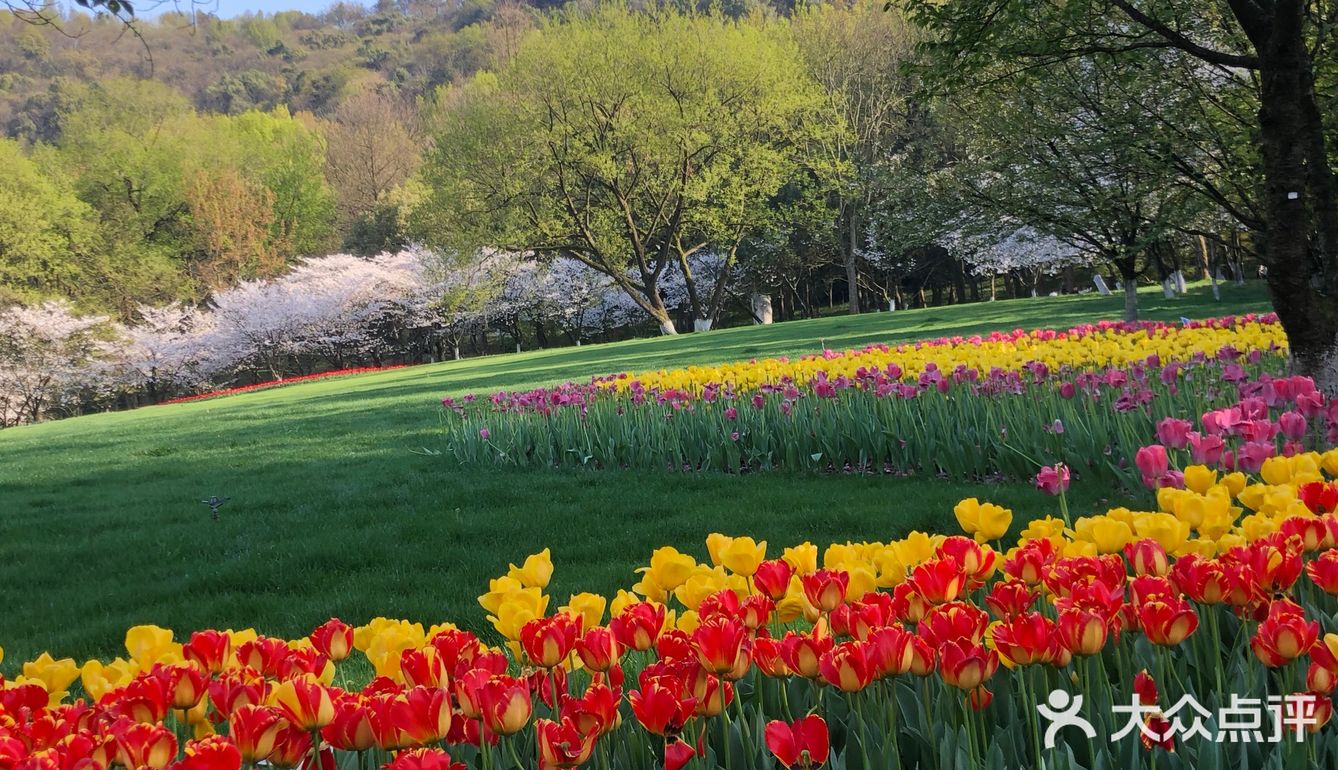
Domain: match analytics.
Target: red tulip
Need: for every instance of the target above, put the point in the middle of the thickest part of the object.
(187, 684)
(305, 702)
(1082, 632)
(755, 611)
(1145, 688)
(1319, 679)
(423, 713)
(719, 644)
(255, 729)
(423, 668)
(663, 705)
(772, 578)
(292, 747)
(142, 746)
(846, 667)
(263, 654)
(980, 698)
(333, 639)
(423, 759)
(598, 649)
(966, 666)
(677, 754)
(825, 589)
(352, 728)
(214, 752)
(638, 626)
(1147, 557)
(1167, 621)
(548, 641)
(562, 744)
(804, 743)
(1323, 572)
(506, 704)
(458, 649)
(1010, 598)
(209, 649)
(596, 710)
(235, 689)
(1027, 639)
(1284, 636)
(801, 652)
(939, 580)
(955, 620)
(889, 651)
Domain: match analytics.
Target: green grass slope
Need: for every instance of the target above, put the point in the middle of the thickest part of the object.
(336, 510)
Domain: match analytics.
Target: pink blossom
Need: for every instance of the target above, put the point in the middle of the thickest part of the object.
(1153, 463)
(1250, 457)
(1206, 450)
(1174, 432)
(1053, 479)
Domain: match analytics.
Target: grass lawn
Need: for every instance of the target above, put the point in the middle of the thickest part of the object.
(336, 510)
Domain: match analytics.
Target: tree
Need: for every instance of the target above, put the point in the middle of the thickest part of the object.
(1062, 151)
(48, 237)
(857, 54)
(373, 146)
(45, 353)
(1288, 44)
(626, 141)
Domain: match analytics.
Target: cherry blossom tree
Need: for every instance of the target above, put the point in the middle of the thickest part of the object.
(46, 352)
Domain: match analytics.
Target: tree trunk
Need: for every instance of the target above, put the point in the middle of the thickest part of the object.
(852, 267)
(1130, 299)
(1301, 245)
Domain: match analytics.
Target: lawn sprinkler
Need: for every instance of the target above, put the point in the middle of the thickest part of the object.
(215, 502)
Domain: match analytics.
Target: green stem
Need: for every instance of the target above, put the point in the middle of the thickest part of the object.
(858, 699)
(724, 717)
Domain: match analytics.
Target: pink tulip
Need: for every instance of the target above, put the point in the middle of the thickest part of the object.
(1292, 425)
(1250, 458)
(1174, 432)
(1206, 450)
(1053, 479)
(1153, 463)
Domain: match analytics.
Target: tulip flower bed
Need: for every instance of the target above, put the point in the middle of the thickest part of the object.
(1203, 633)
(968, 408)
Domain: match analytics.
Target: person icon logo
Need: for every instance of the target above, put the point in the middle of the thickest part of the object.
(1062, 710)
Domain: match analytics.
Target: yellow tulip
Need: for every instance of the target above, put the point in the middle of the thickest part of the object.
(803, 557)
(1276, 470)
(99, 679)
(742, 555)
(586, 606)
(536, 571)
(891, 569)
(669, 568)
(1329, 462)
(703, 582)
(498, 589)
(863, 580)
(650, 589)
(1257, 525)
(716, 544)
(1234, 482)
(1199, 478)
(984, 521)
(54, 675)
(917, 547)
(621, 601)
(688, 621)
(1201, 546)
(151, 644)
